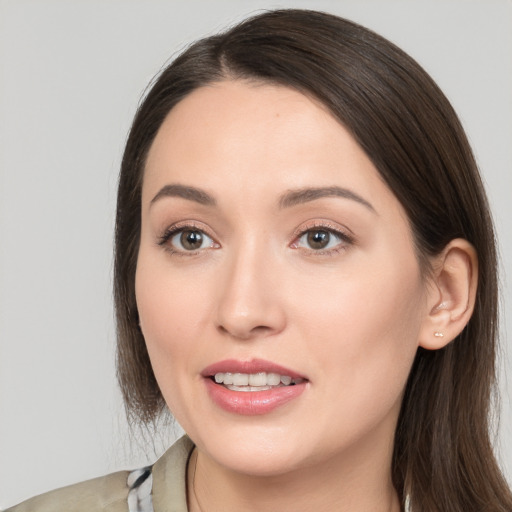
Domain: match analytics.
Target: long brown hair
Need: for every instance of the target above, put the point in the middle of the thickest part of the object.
(443, 459)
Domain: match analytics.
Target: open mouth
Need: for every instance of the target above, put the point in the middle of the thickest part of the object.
(260, 381)
(252, 387)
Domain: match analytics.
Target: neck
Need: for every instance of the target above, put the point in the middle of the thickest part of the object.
(342, 484)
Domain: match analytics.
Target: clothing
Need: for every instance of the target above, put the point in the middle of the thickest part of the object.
(124, 491)
(158, 488)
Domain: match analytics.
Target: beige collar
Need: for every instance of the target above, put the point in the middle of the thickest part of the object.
(170, 477)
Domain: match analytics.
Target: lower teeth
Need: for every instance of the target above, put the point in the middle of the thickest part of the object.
(249, 388)
(232, 387)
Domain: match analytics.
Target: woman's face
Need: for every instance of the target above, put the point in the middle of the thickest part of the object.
(272, 249)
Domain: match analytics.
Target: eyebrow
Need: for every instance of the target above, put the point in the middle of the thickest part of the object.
(305, 195)
(287, 200)
(185, 192)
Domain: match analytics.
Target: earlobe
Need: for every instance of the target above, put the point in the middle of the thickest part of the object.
(452, 294)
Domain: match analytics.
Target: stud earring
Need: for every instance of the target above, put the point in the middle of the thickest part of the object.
(438, 334)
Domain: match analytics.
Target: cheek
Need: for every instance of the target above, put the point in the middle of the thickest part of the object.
(167, 340)
(385, 300)
(365, 333)
(169, 320)
(169, 304)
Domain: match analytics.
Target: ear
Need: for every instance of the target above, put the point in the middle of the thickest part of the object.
(451, 294)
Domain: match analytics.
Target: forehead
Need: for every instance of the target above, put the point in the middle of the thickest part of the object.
(234, 114)
(243, 137)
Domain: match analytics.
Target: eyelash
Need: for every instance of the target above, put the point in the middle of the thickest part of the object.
(178, 228)
(344, 238)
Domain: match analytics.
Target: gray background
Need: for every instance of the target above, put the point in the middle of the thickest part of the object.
(71, 74)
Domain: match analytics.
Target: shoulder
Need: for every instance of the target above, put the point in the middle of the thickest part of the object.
(108, 493)
(162, 485)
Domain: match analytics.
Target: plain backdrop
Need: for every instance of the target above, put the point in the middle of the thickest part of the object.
(71, 75)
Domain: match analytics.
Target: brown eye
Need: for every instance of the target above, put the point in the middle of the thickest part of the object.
(318, 239)
(321, 239)
(191, 240)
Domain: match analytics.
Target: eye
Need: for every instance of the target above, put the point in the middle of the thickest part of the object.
(191, 240)
(187, 239)
(318, 239)
(321, 240)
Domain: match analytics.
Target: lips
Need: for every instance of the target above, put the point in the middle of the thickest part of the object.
(252, 387)
(253, 366)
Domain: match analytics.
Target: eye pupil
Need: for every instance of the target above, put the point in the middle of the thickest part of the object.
(191, 240)
(318, 239)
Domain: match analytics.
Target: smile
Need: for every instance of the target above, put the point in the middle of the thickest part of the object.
(252, 387)
(260, 381)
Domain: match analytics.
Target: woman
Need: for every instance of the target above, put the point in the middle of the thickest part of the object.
(306, 277)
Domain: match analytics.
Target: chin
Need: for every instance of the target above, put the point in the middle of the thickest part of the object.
(256, 451)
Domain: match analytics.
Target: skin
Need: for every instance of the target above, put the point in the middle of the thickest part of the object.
(349, 318)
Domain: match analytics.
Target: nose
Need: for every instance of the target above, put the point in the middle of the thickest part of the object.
(250, 304)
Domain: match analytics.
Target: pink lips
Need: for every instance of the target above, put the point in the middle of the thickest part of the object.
(251, 402)
(253, 366)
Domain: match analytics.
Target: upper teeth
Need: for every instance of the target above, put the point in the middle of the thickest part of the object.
(252, 379)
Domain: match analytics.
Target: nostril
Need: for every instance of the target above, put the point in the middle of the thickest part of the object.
(245, 334)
